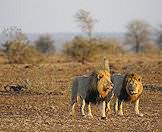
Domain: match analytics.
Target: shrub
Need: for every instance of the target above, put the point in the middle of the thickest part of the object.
(109, 46)
(150, 48)
(21, 52)
(45, 44)
(80, 48)
(83, 49)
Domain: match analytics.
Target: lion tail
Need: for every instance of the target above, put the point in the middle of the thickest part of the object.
(106, 64)
(74, 91)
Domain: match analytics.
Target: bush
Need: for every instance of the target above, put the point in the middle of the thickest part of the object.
(21, 52)
(83, 49)
(45, 44)
(150, 48)
(80, 48)
(109, 46)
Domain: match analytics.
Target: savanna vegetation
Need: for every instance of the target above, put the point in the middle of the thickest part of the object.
(44, 104)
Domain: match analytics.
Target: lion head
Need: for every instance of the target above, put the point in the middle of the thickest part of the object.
(103, 82)
(133, 85)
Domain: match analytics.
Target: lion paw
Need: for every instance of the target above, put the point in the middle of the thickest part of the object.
(90, 115)
(72, 113)
(140, 114)
(120, 113)
(109, 111)
(83, 115)
(103, 118)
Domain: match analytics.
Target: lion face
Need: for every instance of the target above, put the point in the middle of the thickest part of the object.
(134, 84)
(104, 84)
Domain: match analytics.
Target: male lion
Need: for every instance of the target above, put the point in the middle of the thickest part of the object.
(91, 88)
(127, 88)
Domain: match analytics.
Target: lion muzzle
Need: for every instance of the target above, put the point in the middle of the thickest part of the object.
(132, 92)
(106, 89)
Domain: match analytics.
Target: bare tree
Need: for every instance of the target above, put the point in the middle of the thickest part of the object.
(138, 33)
(86, 22)
(13, 33)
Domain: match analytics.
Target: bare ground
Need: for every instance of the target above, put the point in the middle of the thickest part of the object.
(45, 105)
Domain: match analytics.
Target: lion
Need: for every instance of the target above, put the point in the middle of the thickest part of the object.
(127, 88)
(92, 88)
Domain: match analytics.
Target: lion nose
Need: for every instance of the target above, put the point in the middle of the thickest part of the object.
(131, 91)
(111, 85)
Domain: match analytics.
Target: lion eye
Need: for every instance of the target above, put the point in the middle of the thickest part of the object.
(139, 79)
(105, 89)
(111, 84)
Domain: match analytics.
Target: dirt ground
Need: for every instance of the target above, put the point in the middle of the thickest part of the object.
(45, 105)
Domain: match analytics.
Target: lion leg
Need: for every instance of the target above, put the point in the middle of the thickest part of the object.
(120, 103)
(72, 109)
(116, 105)
(136, 108)
(72, 106)
(82, 107)
(103, 110)
(89, 110)
(108, 107)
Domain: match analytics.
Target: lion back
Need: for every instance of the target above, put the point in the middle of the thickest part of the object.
(82, 86)
(117, 80)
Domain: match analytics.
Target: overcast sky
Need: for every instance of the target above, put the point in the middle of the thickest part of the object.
(37, 16)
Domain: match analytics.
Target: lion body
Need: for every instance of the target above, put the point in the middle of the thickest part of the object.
(120, 88)
(127, 88)
(82, 87)
(91, 88)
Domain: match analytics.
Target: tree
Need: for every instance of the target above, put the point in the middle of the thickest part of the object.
(86, 22)
(138, 33)
(45, 44)
(80, 49)
(13, 33)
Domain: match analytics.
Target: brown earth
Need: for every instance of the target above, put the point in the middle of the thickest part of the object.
(45, 105)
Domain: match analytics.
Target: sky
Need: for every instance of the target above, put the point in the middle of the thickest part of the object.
(48, 16)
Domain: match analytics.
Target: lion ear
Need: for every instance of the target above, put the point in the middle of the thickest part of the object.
(140, 79)
(132, 75)
(99, 76)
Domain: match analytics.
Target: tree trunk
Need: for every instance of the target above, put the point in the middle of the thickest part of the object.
(83, 60)
(89, 35)
(137, 47)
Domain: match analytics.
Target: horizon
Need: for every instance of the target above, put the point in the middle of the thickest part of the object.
(58, 15)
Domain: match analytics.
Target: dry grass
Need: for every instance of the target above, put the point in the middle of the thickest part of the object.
(45, 105)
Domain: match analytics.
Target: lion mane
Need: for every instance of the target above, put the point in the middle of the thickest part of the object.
(97, 81)
(131, 83)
